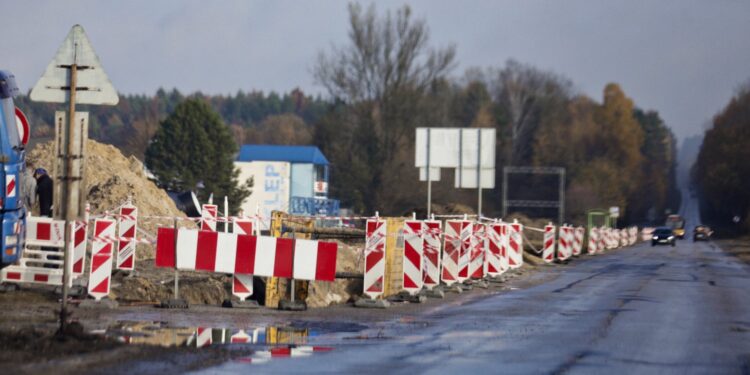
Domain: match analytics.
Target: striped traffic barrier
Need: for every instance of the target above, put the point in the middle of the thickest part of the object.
(452, 250)
(127, 223)
(413, 253)
(593, 240)
(78, 247)
(209, 217)
(374, 278)
(242, 284)
(495, 249)
(515, 244)
(548, 251)
(477, 265)
(100, 272)
(199, 250)
(431, 259)
(464, 257)
(564, 243)
(577, 240)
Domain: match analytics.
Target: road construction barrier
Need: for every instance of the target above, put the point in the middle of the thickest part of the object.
(477, 265)
(242, 284)
(578, 240)
(200, 250)
(209, 217)
(127, 225)
(42, 258)
(100, 273)
(548, 250)
(593, 240)
(464, 258)
(495, 249)
(413, 253)
(374, 278)
(633, 231)
(564, 250)
(603, 240)
(432, 254)
(454, 229)
(624, 237)
(515, 244)
(80, 235)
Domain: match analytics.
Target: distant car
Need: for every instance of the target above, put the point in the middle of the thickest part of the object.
(663, 236)
(701, 233)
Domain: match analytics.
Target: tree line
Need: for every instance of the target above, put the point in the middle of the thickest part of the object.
(387, 81)
(721, 174)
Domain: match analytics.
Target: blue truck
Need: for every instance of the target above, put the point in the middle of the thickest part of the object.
(12, 162)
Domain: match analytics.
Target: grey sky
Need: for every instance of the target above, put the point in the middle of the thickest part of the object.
(682, 58)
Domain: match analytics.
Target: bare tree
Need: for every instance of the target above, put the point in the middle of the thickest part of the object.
(524, 91)
(383, 75)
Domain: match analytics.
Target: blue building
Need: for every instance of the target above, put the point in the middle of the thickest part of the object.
(293, 179)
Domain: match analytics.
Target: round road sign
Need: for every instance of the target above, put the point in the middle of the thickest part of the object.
(23, 126)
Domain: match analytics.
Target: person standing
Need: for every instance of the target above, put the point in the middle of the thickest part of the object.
(44, 191)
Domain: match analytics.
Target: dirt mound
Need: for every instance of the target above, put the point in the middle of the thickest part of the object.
(111, 178)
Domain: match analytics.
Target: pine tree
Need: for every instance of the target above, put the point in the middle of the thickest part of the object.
(193, 147)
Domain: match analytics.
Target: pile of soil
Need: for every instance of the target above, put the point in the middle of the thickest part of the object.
(111, 178)
(349, 259)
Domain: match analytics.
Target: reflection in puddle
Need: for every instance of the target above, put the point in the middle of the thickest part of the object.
(278, 342)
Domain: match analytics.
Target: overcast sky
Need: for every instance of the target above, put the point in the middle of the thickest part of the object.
(682, 58)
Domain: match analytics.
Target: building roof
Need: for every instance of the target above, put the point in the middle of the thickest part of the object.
(292, 154)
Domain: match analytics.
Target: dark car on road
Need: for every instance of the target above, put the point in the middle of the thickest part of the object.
(701, 233)
(663, 236)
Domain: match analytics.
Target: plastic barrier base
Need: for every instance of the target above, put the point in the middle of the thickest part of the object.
(372, 303)
(174, 304)
(406, 297)
(287, 305)
(479, 284)
(234, 304)
(9, 287)
(464, 286)
(436, 292)
(103, 303)
(75, 291)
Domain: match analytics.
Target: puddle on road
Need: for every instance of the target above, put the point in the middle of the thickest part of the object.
(269, 342)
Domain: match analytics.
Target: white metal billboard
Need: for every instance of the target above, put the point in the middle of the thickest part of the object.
(464, 149)
(270, 188)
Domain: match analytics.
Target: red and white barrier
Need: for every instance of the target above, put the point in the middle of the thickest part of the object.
(413, 253)
(515, 245)
(548, 251)
(78, 246)
(42, 259)
(495, 247)
(624, 237)
(100, 272)
(431, 259)
(633, 235)
(464, 258)
(564, 248)
(374, 278)
(452, 250)
(242, 284)
(603, 240)
(209, 217)
(45, 232)
(232, 253)
(477, 264)
(578, 241)
(593, 240)
(127, 224)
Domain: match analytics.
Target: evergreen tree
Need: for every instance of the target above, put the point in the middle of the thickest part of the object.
(191, 147)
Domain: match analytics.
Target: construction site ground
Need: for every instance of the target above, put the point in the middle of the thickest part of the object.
(28, 343)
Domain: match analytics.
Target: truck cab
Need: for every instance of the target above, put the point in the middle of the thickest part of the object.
(12, 167)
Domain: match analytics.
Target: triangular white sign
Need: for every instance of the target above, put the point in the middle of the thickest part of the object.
(92, 84)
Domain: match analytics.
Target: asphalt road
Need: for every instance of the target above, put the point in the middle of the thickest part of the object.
(660, 310)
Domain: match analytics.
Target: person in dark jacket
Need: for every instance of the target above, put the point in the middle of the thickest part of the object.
(44, 191)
